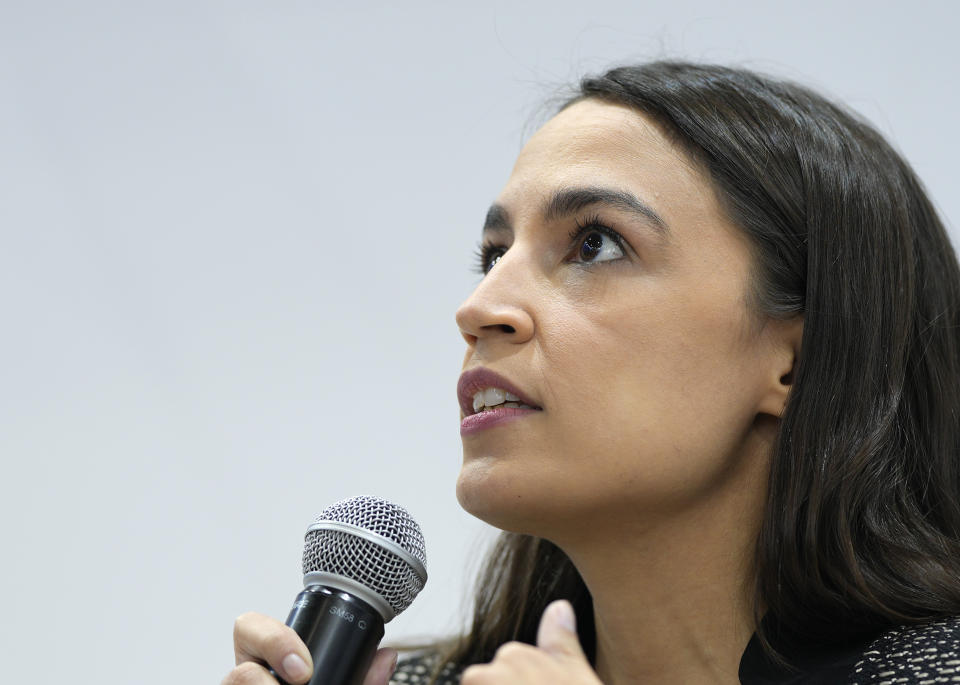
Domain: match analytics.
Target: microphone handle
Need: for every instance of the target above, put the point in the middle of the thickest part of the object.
(341, 631)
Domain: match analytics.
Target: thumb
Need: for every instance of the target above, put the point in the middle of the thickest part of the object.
(557, 634)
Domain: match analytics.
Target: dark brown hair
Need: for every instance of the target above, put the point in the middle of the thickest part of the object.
(862, 524)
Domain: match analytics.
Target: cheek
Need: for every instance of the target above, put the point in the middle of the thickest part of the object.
(656, 390)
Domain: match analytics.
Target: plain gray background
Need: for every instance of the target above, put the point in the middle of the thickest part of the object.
(233, 238)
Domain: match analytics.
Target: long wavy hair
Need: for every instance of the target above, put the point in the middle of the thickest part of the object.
(862, 523)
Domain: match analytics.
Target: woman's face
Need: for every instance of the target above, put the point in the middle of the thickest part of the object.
(615, 304)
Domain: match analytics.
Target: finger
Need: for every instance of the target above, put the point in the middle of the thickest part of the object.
(383, 666)
(260, 638)
(478, 674)
(249, 673)
(557, 634)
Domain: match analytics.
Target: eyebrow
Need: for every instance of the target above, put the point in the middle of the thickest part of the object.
(498, 220)
(567, 201)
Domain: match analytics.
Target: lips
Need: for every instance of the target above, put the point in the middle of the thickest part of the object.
(479, 379)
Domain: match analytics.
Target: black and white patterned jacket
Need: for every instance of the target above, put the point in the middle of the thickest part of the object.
(926, 654)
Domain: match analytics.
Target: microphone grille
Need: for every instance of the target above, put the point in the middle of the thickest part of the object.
(369, 541)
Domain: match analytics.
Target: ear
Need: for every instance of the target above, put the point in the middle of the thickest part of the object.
(783, 351)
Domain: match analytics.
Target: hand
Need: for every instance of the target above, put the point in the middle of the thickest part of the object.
(260, 641)
(556, 660)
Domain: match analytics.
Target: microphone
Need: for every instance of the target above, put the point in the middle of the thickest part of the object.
(364, 562)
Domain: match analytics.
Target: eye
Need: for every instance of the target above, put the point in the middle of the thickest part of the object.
(595, 242)
(487, 255)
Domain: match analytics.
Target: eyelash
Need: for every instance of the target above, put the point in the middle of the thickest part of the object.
(482, 255)
(595, 223)
(486, 251)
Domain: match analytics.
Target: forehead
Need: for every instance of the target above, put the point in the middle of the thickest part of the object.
(597, 143)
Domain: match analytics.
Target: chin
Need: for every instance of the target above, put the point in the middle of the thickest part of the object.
(494, 498)
(476, 489)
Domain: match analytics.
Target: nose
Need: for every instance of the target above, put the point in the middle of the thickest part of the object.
(499, 307)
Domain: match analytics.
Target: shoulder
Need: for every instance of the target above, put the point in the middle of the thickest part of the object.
(418, 669)
(925, 653)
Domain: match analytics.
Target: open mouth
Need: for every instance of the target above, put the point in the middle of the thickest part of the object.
(489, 399)
(481, 390)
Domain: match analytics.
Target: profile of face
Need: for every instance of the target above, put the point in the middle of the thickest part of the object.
(616, 304)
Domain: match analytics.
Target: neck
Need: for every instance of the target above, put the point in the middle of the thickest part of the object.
(676, 603)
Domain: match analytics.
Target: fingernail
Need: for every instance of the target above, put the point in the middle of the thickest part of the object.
(391, 666)
(295, 667)
(563, 614)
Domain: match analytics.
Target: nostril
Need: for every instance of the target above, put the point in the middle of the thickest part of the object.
(502, 327)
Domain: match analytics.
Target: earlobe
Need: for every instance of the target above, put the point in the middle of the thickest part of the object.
(785, 341)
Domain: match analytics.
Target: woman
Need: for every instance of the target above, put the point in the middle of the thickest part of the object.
(727, 317)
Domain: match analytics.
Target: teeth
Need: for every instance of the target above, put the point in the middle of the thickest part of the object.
(493, 396)
(490, 398)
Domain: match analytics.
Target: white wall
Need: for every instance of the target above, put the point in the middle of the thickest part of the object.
(232, 238)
